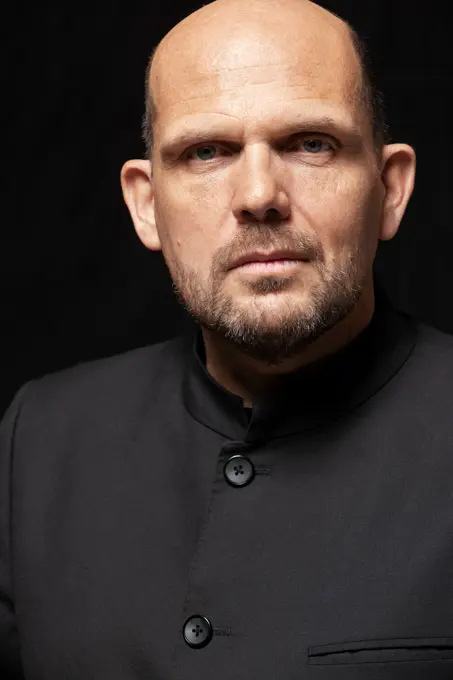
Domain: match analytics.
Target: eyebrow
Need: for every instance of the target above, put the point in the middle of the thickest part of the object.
(195, 134)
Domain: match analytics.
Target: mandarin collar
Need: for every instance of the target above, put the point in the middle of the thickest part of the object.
(312, 396)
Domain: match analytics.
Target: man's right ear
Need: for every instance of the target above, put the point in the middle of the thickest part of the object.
(138, 195)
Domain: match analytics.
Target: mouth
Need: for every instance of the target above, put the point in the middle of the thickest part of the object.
(271, 265)
(275, 259)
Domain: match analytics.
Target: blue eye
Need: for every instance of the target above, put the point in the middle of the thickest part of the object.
(316, 145)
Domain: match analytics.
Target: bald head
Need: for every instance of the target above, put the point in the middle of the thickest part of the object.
(286, 34)
(264, 141)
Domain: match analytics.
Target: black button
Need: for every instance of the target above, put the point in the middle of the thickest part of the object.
(239, 471)
(197, 631)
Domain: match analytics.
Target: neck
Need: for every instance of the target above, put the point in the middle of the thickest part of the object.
(248, 377)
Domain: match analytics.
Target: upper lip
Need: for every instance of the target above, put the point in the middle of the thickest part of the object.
(266, 257)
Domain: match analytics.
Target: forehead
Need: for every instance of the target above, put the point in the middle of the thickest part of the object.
(247, 73)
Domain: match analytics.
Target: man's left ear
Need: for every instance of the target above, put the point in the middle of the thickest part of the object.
(398, 178)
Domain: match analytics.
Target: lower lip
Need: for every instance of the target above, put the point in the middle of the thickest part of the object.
(270, 265)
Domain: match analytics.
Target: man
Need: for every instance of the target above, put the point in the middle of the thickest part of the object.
(271, 498)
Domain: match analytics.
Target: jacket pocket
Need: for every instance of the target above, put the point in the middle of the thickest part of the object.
(382, 651)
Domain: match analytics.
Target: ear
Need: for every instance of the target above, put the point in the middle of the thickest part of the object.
(398, 178)
(136, 183)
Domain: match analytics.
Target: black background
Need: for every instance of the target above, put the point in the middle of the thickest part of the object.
(76, 282)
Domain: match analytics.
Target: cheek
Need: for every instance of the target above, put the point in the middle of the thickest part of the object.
(190, 219)
(345, 211)
(180, 229)
(184, 246)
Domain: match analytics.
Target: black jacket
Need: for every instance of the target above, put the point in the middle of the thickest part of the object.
(323, 551)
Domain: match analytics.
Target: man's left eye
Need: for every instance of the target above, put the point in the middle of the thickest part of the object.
(316, 145)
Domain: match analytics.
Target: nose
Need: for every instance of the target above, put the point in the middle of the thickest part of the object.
(260, 195)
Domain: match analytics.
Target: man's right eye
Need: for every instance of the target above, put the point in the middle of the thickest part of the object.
(201, 150)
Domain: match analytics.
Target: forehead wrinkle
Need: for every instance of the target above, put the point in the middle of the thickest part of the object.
(196, 129)
(199, 106)
(212, 92)
(298, 73)
(206, 66)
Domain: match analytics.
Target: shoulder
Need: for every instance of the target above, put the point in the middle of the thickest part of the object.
(108, 384)
(433, 351)
(425, 382)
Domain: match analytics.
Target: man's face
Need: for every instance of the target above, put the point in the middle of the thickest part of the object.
(278, 154)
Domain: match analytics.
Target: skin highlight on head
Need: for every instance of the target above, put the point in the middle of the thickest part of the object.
(271, 90)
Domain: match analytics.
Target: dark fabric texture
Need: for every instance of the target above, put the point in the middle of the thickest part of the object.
(117, 522)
